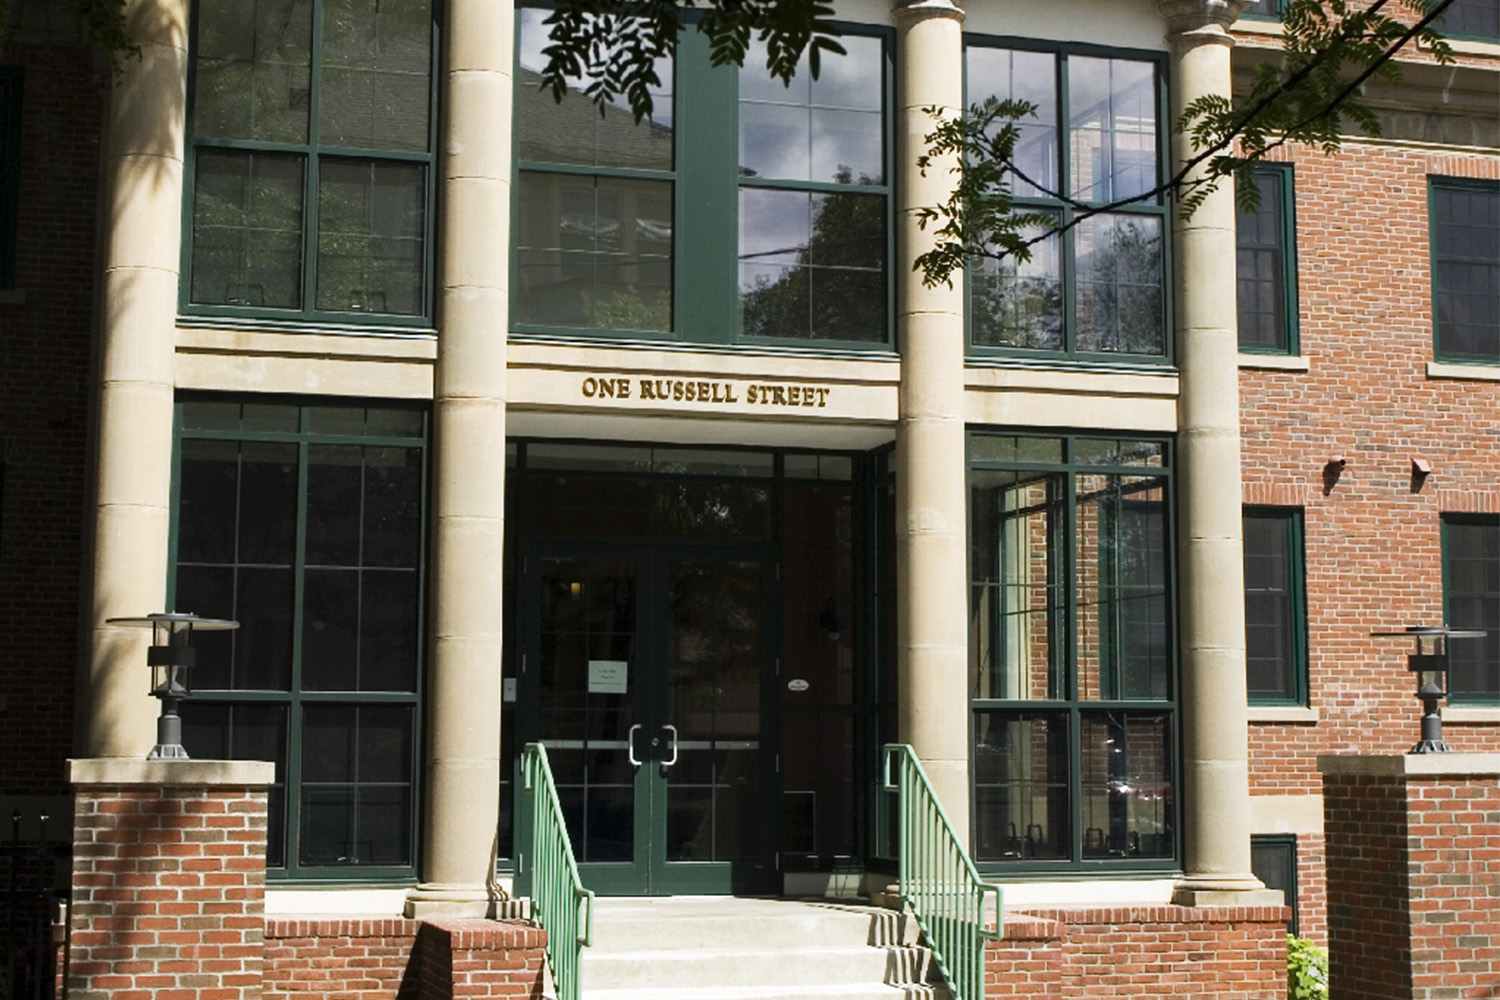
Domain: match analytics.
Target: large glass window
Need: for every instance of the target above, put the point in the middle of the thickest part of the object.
(304, 524)
(1478, 19)
(1275, 607)
(1471, 598)
(1093, 151)
(1266, 264)
(312, 156)
(1465, 238)
(1071, 667)
(624, 226)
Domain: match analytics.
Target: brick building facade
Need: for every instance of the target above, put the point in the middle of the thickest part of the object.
(420, 470)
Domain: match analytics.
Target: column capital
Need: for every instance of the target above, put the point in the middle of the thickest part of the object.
(1200, 20)
(921, 10)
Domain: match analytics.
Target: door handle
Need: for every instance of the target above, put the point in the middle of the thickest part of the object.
(669, 763)
(630, 745)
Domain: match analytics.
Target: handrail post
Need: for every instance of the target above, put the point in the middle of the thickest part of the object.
(938, 879)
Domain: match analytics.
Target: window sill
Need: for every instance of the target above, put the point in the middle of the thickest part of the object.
(1484, 715)
(1283, 713)
(1278, 362)
(12, 296)
(1477, 373)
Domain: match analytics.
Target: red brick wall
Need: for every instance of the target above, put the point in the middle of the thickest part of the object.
(168, 893)
(1413, 866)
(1373, 546)
(392, 959)
(1141, 952)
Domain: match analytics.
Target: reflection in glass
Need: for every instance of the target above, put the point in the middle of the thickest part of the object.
(594, 252)
(1466, 234)
(371, 236)
(1126, 779)
(1123, 634)
(1010, 74)
(1018, 604)
(812, 266)
(1260, 267)
(252, 63)
(374, 74)
(1120, 284)
(1019, 303)
(1021, 786)
(247, 229)
(1270, 616)
(1471, 548)
(573, 130)
(356, 785)
(1113, 144)
(825, 129)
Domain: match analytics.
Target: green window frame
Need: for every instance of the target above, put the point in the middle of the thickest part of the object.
(1273, 860)
(1471, 600)
(1098, 290)
(1464, 236)
(312, 130)
(1073, 653)
(1265, 10)
(1475, 20)
(10, 170)
(1275, 606)
(306, 523)
(623, 228)
(1266, 264)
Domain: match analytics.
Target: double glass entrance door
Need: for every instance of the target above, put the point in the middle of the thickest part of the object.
(646, 675)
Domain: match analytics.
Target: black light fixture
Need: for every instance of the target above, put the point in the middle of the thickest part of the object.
(1431, 669)
(829, 624)
(171, 657)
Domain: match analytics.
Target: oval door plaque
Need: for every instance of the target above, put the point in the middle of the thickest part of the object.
(797, 684)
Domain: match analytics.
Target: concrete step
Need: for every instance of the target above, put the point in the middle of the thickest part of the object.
(726, 948)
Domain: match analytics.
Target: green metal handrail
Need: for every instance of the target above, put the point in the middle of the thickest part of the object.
(938, 880)
(559, 902)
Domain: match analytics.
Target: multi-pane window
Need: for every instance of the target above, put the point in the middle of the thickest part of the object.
(312, 156)
(1465, 236)
(304, 524)
(1273, 860)
(1090, 157)
(1071, 667)
(1266, 265)
(1275, 607)
(1268, 9)
(1479, 19)
(10, 170)
(625, 226)
(1471, 597)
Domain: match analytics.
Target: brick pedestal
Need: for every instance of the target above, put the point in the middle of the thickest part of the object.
(169, 876)
(1413, 861)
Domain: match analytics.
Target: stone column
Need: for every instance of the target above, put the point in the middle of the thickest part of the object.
(142, 221)
(462, 790)
(931, 528)
(1215, 725)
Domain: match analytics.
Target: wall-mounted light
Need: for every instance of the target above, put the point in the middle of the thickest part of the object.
(829, 624)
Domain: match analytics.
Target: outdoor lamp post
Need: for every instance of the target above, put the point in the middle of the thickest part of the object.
(171, 658)
(1431, 669)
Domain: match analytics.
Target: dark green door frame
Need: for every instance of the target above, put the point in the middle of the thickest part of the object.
(643, 762)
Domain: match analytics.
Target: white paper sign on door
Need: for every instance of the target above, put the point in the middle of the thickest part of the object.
(607, 676)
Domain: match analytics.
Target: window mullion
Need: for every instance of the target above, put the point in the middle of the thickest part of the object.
(293, 791)
(313, 167)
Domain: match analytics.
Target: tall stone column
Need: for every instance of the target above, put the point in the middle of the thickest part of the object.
(142, 212)
(1215, 725)
(462, 790)
(931, 529)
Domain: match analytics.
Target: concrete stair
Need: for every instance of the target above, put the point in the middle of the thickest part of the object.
(728, 948)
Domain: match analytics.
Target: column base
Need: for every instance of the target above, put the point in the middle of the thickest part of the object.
(1225, 891)
(475, 902)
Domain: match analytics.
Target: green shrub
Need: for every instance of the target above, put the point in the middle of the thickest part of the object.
(1306, 970)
